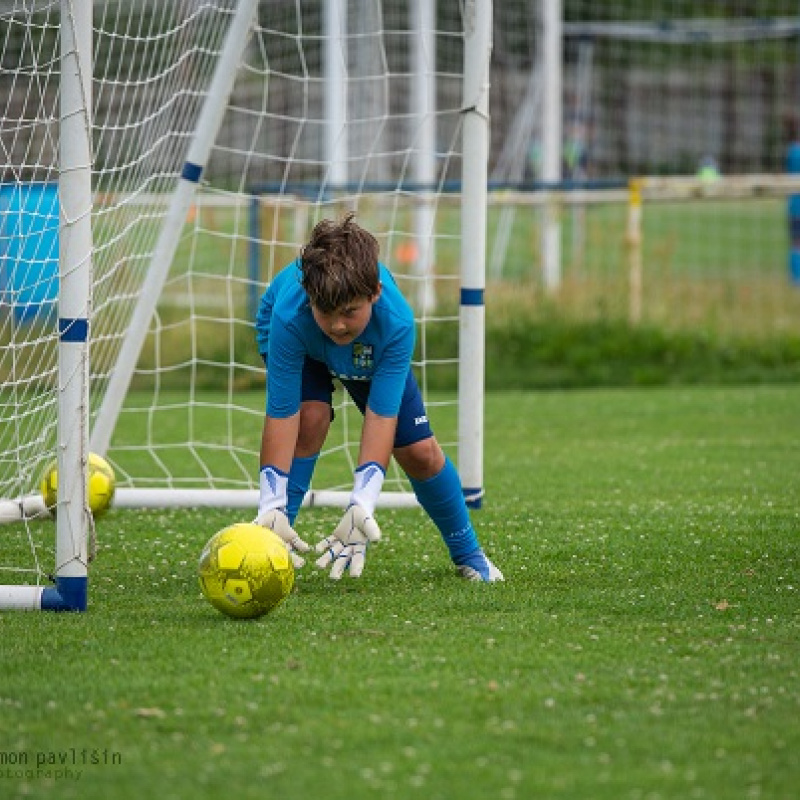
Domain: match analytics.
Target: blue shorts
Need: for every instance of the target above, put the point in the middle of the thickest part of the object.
(412, 418)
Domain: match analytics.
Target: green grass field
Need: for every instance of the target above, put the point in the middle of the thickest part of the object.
(645, 644)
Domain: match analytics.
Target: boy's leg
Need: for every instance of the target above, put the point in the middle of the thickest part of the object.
(436, 483)
(443, 500)
(316, 414)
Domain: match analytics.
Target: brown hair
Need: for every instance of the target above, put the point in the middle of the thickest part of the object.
(339, 264)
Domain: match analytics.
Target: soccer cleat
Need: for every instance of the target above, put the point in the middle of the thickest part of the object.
(476, 567)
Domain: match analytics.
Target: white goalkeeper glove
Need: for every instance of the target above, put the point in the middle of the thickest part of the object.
(272, 512)
(346, 547)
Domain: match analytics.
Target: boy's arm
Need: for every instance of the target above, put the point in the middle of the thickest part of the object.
(277, 446)
(377, 439)
(278, 440)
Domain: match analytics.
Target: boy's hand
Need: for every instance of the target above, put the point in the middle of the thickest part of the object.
(272, 512)
(277, 521)
(347, 545)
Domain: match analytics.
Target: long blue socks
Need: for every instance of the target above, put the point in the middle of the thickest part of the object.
(299, 480)
(443, 499)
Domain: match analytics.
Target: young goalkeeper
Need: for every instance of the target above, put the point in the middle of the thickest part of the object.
(336, 312)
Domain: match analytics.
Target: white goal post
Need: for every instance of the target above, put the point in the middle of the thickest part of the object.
(159, 184)
(71, 334)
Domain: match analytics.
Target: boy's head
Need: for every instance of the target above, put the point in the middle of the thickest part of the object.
(339, 265)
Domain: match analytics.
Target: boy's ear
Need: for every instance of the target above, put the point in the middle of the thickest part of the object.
(374, 298)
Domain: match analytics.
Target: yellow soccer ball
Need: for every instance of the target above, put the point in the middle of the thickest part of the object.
(100, 486)
(245, 571)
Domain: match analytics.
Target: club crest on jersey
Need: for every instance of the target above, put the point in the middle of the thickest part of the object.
(363, 356)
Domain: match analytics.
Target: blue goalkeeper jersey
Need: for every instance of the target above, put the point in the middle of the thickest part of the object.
(287, 333)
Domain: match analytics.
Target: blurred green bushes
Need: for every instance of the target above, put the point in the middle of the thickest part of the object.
(522, 352)
(534, 353)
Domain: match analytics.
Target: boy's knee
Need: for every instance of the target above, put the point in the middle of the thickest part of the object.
(421, 460)
(315, 420)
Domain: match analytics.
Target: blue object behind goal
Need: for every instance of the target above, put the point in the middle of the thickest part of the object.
(29, 249)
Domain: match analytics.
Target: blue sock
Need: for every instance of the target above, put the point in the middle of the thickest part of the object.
(299, 480)
(443, 500)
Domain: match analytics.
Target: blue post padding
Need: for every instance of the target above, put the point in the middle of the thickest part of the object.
(472, 297)
(73, 330)
(473, 497)
(69, 594)
(29, 248)
(191, 172)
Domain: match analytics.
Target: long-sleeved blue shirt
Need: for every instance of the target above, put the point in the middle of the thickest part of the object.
(286, 333)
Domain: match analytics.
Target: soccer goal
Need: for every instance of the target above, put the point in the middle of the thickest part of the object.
(161, 162)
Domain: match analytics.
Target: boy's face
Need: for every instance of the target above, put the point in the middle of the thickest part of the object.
(346, 323)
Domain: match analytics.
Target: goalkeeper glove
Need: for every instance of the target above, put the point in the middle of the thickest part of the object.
(272, 512)
(346, 547)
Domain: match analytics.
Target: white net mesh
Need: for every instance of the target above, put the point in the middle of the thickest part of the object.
(282, 159)
(269, 178)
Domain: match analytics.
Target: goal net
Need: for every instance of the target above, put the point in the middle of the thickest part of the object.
(221, 132)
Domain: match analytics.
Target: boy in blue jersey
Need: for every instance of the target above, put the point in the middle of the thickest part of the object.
(336, 312)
